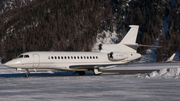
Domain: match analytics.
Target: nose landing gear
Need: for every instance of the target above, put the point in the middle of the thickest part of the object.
(27, 72)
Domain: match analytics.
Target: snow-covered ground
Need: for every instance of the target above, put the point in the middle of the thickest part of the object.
(160, 85)
(99, 88)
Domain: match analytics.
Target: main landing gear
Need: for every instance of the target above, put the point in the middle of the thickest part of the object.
(27, 72)
(97, 72)
(80, 72)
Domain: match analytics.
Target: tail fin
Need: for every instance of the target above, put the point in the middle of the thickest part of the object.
(128, 43)
(130, 38)
(171, 58)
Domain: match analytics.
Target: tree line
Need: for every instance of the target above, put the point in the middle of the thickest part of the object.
(72, 25)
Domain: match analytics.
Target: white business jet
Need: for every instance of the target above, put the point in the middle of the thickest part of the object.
(110, 56)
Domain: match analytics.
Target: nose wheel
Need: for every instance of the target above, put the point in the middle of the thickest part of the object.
(27, 72)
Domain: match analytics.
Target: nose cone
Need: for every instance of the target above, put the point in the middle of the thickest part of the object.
(12, 63)
(8, 64)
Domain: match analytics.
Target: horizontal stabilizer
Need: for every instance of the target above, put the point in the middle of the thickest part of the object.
(149, 46)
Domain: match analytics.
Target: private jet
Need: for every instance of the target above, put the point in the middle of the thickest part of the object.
(109, 56)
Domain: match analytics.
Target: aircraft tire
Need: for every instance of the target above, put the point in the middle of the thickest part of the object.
(97, 74)
(82, 73)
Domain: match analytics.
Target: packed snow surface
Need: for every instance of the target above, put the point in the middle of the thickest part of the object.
(163, 73)
(161, 85)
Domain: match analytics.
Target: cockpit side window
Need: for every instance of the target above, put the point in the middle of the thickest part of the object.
(26, 56)
(20, 56)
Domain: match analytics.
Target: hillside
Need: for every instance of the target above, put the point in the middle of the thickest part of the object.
(6, 5)
(73, 25)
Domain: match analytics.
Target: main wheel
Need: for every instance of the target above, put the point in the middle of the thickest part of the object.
(82, 73)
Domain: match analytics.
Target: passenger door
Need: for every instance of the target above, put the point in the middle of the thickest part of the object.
(35, 60)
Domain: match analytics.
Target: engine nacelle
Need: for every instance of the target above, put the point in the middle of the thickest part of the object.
(115, 56)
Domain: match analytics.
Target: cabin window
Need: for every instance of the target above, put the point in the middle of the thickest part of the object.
(78, 57)
(48, 57)
(68, 57)
(55, 57)
(71, 57)
(61, 57)
(58, 57)
(65, 57)
(26, 56)
(87, 57)
(51, 57)
(74, 57)
(84, 57)
(96, 57)
(20, 56)
(90, 57)
(81, 57)
(93, 57)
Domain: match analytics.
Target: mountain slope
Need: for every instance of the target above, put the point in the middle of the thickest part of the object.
(73, 25)
(6, 5)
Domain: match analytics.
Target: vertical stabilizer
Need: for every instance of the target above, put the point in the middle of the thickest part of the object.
(128, 43)
(130, 38)
(171, 58)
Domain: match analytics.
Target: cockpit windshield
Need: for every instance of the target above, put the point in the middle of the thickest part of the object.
(20, 56)
(23, 56)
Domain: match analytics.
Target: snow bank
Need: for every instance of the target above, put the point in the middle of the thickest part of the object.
(163, 73)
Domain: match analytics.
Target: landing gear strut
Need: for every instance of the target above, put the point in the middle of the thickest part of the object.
(97, 72)
(27, 72)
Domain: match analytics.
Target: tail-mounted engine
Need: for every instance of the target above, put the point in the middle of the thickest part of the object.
(115, 56)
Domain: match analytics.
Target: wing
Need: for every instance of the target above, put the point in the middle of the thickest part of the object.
(95, 66)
